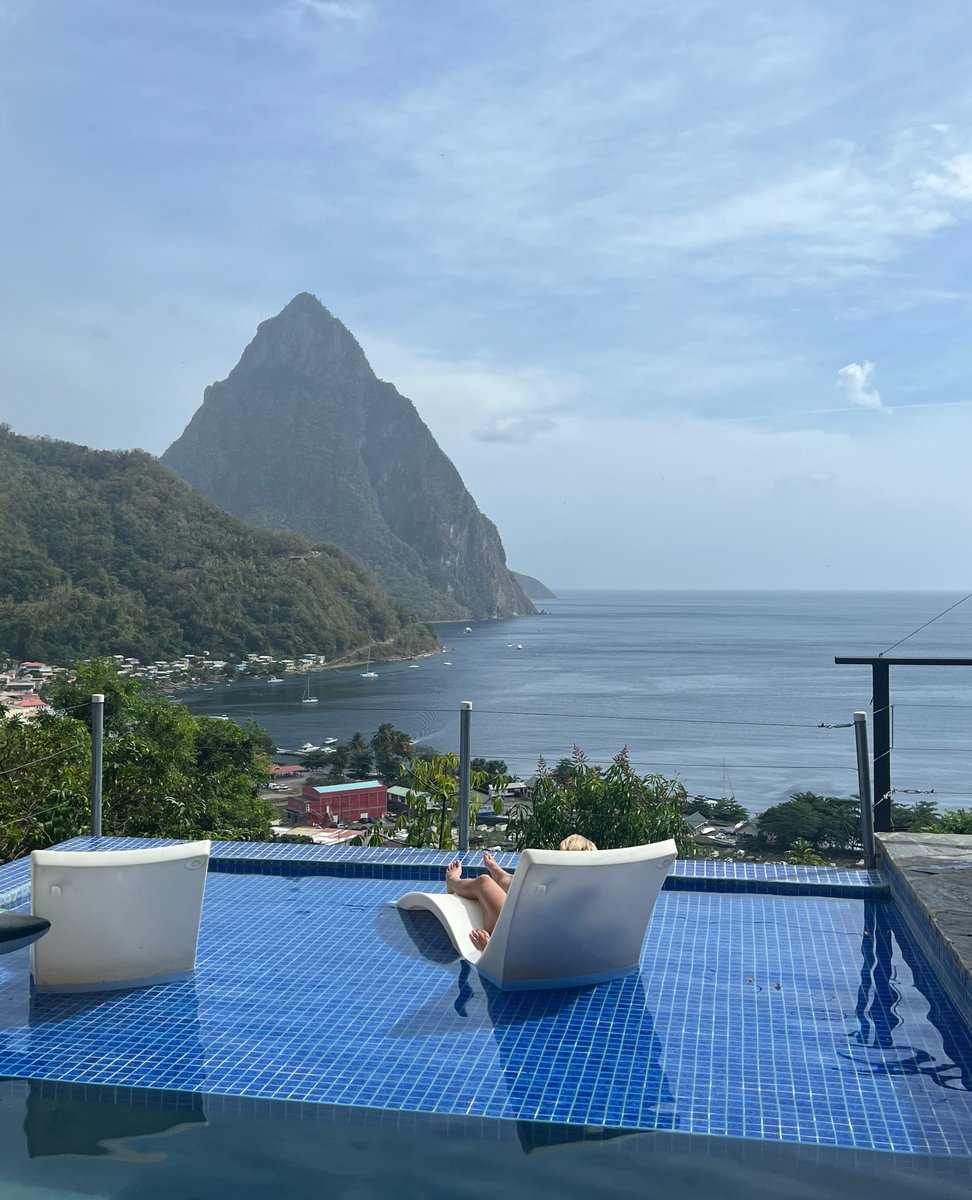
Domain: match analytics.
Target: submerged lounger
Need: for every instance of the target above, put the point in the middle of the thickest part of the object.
(119, 918)
(571, 918)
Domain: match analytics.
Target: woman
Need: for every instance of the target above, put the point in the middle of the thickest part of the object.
(489, 891)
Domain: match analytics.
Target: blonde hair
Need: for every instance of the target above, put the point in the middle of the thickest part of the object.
(575, 842)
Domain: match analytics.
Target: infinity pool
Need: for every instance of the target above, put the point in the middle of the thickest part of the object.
(763, 1031)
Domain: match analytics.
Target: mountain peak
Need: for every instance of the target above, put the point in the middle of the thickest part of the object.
(307, 338)
(355, 465)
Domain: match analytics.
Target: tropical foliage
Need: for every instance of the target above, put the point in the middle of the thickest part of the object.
(384, 756)
(802, 854)
(165, 773)
(726, 810)
(612, 807)
(830, 824)
(111, 553)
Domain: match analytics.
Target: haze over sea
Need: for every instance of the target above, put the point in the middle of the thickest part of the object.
(729, 691)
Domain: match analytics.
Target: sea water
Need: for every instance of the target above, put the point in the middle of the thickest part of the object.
(733, 693)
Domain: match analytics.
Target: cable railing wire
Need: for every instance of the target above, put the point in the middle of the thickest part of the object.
(43, 758)
(931, 621)
(564, 716)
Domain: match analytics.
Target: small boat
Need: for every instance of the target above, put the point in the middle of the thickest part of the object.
(328, 741)
(307, 697)
(368, 673)
(467, 630)
(274, 679)
(447, 664)
(413, 666)
(518, 646)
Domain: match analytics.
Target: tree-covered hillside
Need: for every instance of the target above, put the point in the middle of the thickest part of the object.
(108, 552)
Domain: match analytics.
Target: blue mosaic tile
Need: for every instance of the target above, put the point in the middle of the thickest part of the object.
(779, 1018)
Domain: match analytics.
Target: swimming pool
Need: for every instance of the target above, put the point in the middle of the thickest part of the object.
(764, 1030)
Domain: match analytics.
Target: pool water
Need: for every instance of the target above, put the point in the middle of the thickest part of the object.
(61, 1142)
(329, 1040)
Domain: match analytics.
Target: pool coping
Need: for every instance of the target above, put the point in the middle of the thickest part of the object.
(930, 880)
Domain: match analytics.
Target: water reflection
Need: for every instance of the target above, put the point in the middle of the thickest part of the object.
(100, 1122)
(905, 1026)
(159, 1024)
(575, 1064)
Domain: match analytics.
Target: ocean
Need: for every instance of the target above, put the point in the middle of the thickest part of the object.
(733, 693)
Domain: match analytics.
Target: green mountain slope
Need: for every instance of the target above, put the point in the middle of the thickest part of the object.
(302, 435)
(109, 552)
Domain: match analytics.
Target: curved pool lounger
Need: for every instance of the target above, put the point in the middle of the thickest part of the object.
(569, 919)
(119, 918)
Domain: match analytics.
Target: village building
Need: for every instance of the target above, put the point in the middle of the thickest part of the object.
(339, 803)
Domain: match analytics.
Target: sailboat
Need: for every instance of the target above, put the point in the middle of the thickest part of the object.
(367, 673)
(308, 698)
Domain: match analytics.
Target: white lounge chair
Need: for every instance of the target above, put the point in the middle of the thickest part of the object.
(119, 918)
(570, 918)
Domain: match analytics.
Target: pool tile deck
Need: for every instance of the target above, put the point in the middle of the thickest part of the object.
(783, 1017)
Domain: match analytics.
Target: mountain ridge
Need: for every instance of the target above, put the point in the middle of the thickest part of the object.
(107, 552)
(533, 587)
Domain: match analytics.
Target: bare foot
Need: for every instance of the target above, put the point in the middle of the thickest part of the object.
(479, 938)
(491, 864)
(503, 878)
(453, 874)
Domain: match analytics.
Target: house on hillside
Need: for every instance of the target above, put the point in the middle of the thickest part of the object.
(695, 821)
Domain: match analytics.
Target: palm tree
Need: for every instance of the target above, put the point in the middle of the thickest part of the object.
(391, 748)
(361, 759)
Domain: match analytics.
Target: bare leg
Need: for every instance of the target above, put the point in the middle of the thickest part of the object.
(503, 878)
(481, 888)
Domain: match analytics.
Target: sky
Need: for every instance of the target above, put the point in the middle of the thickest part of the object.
(681, 288)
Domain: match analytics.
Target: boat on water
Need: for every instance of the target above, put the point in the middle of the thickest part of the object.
(367, 673)
(307, 697)
(413, 666)
(274, 679)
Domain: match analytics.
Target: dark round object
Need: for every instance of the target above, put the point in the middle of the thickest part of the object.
(19, 929)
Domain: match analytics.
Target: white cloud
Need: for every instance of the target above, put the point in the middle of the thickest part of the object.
(954, 179)
(855, 380)
(330, 11)
(473, 397)
(512, 430)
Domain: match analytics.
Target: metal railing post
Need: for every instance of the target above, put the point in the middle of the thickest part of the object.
(97, 743)
(465, 718)
(864, 787)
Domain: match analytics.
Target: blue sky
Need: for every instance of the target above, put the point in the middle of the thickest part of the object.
(681, 288)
